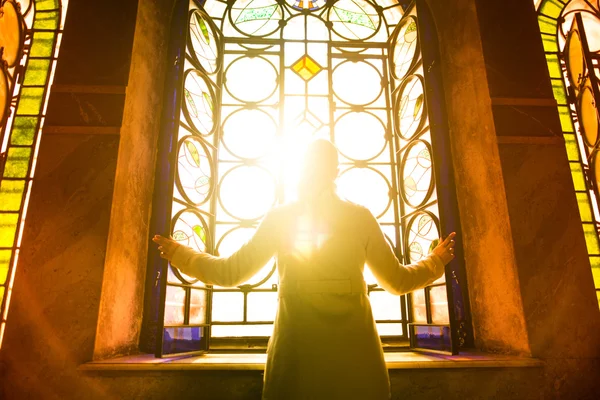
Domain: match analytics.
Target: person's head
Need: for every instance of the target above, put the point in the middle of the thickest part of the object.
(319, 169)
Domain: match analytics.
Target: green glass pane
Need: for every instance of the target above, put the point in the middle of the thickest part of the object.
(591, 238)
(571, 145)
(559, 91)
(550, 42)
(552, 8)
(30, 102)
(259, 13)
(37, 72)
(578, 179)
(11, 194)
(584, 207)
(43, 43)
(46, 20)
(547, 25)
(46, 5)
(566, 123)
(4, 264)
(8, 228)
(554, 66)
(23, 131)
(17, 162)
(351, 17)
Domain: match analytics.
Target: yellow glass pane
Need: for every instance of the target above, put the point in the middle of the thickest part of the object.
(552, 8)
(595, 263)
(23, 131)
(306, 67)
(11, 33)
(30, 102)
(47, 20)
(559, 91)
(588, 116)
(8, 228)
(547, 25)
(550, 43)
(11, 194)
(37, 72)
(591, 238)
(585, 210)
(554, 66)
(4, 264)
(17, 162)
(566, 123)
(2, 289)
(578, 178)
(46, 4)
(571, 145)
(4, 94)
(43, 43)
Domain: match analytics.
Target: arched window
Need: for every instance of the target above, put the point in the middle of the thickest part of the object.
(30, 33)
(571, 37)
(258, 80)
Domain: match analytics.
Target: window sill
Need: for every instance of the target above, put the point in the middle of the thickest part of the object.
(256, 362)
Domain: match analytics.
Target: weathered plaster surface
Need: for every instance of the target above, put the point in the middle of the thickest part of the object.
(121, 306)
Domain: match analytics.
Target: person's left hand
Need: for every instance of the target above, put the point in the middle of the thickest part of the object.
(166, 246)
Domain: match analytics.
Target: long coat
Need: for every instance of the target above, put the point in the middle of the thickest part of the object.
(325, 344)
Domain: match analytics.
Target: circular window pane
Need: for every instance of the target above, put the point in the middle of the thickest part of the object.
(304, 5)
(410, 107)
(422, 235)
(575, 61)
(588, 115)
(247, 192)
(360, 135)
(11, 33)
(251, 79)
(417, 182)
(355, 91)
(204, 42)
(194, 171)
(256, 17)
(189, 229)
(199, 102)
(366, 187)
(232, 241)
(404, 52)
(354, 19)
(249, 134)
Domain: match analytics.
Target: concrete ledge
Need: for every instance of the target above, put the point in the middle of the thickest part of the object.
(256, 362)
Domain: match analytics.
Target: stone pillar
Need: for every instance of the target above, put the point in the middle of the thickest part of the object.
(496, 305)
(561, 310)
(121, 305)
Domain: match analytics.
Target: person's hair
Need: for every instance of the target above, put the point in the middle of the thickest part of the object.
(319, 170)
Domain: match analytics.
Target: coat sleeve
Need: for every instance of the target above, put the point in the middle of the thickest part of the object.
(237, 268)
(389, 272)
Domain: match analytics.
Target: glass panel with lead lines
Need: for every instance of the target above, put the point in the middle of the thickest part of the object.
(279, 86)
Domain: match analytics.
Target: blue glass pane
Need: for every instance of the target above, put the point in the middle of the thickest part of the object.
(183, 339)
(430, 337)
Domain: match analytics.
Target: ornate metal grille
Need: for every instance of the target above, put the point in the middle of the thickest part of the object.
(261, 79)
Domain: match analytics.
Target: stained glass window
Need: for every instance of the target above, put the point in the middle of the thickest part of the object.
(571, 37)
(30, 33)
(263, 78)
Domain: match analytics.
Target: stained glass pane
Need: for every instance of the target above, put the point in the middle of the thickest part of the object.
(37, 72)
(199, 102)
(43, 43)
(30, 102)
(4, 94)
(204, 42)
(8, 228)
(4, 266)
(11, 193)
(256, 17)
(410, 107)
(422, 234)
(354, 19)
(11, 33)
(17, 162)
(194, 170)
(405, 47)
(23, 131)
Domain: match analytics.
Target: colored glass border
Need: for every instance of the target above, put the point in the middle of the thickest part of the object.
(549, 15)
(21, 132)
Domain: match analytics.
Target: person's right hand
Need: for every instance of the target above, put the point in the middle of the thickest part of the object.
(445, 249)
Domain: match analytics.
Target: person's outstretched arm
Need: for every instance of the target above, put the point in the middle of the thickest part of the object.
(225, 271)
(391, 274)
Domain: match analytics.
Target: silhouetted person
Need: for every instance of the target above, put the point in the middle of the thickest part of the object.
(325, 344)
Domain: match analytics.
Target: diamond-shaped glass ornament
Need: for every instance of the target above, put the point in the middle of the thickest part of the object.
(306, 67)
